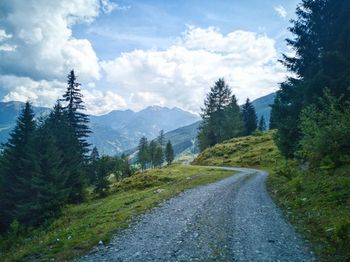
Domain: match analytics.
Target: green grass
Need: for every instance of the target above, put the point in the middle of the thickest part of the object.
(81, 227)
(251, 151)
(317, 203)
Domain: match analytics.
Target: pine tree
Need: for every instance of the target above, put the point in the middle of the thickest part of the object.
(17, 167)
(233, 125)
(101, 181)
(152, 153)
(143, 155)
(211, 130)
(320, 40)
(262, 124)
(78, 146)
(169, 153)
(158, 157)
(161, 138)
(48, 182)
(93, 165)
(249, 117)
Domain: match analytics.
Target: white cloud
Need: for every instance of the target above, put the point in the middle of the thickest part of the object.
(182, 74)
(41, 33)
(281, 11)
(99, 102)
(45, 93)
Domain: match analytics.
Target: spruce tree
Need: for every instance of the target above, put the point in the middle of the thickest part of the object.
(93, 165)
(249, 117)
(262, 124)
(158, 156)
(78, 147)
(233, 125)
(17, 167)
(48, 181)
(161, 138)
(152, 153)
(101, 181)
(211, 130)
(143, 155)
(320, 39)
(169, 153)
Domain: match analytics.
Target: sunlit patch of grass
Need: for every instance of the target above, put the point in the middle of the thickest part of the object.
(81, 227)
(249, 151)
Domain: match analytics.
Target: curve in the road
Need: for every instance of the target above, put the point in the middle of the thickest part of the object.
(231, 220)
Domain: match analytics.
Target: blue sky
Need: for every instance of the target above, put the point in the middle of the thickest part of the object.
(157, 24)
(132, 54)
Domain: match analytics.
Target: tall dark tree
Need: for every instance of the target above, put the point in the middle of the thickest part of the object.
(93, 165)
(48, 184)
(17, 167)
(249, 117)
(169, 153)
(262, 124)
(321, 36)
(75, 107)
(143, 155)
(158, 156)
(161, 138)
(78, 147)
(105, 167)
(233, 125)
(211, 130)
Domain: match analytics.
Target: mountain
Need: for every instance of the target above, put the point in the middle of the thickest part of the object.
(120, 130)
(114, 132)
(262, 106)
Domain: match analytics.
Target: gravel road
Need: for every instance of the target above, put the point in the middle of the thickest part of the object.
(230, 220)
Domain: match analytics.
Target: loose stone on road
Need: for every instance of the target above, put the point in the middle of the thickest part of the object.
(230, 220)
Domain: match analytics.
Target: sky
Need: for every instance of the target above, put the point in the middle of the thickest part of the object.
(133, 54)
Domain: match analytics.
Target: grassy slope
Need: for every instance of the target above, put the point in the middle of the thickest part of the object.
(318, 204)
(81, 227)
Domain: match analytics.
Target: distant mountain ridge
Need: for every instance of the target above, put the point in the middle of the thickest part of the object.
(120, 130)
(115, 132)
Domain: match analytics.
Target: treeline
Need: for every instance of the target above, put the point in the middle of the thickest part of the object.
(46, 163)
(153, 154)
(223, 119)
(311, 111)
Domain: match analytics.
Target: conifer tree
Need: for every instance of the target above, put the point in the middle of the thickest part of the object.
(101, 181)
(158, 156)
(233, 125)
(169, 153)
(152, 153)
(211, 130)
(17, 166)
(249, 117)
(262, 124)
(161, 138)
(78, 147)
(143, 155)
(48, 182)
(93, 165)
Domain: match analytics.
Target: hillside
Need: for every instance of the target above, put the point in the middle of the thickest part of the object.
(81, 227)
(250, 151)
(316, 203)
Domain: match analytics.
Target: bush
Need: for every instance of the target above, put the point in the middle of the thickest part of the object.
(325, 131)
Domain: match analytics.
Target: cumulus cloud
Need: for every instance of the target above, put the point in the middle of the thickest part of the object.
(182, 74)
(38, 33)
(45, 93)
(281, 11)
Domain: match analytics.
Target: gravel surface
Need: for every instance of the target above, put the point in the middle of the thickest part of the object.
(230, 220)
